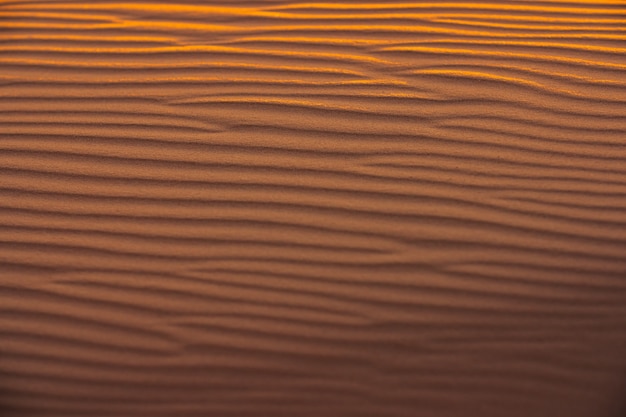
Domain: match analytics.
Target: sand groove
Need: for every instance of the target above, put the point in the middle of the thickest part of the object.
(290, 208)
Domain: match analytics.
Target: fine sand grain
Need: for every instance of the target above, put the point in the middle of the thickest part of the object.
(290, 209)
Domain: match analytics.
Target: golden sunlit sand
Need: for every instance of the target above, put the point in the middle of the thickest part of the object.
(281, 208)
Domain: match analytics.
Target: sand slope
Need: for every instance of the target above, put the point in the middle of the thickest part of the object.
(282, 208)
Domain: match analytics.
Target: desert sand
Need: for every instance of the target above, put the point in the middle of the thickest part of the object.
(342, 209)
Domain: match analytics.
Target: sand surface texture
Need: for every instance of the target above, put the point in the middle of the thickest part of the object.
(342, 209)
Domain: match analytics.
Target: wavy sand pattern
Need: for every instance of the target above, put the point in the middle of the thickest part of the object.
(281, 208)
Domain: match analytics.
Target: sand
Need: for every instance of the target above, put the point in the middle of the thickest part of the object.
(284, 208)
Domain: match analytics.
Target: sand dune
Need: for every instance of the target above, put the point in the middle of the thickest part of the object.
(283, 208)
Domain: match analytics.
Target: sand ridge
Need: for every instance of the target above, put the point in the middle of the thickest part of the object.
(290, 208)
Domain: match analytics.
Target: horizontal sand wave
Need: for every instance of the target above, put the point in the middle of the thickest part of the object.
(285, 208)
